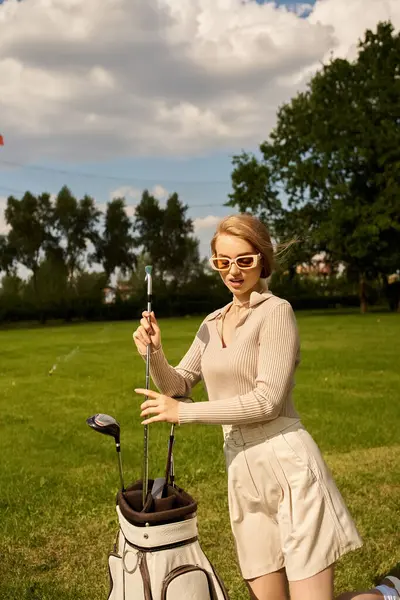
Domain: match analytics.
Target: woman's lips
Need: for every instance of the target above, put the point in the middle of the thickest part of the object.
(236, 282)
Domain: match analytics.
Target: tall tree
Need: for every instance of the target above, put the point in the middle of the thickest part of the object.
(52, 283)
(75, 223)
(30, 235)
(296, 235)
(114, 248)
(181, 250)
(7, 255)
(165, 235)
(255, 188)
(148, 226)
(336, 149)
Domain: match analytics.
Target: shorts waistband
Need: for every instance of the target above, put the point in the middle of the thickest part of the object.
(255, 432)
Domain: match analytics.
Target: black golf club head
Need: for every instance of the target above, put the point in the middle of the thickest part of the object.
(105, 424)
(109, 426)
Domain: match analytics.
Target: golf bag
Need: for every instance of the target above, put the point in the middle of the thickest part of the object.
(157, 555)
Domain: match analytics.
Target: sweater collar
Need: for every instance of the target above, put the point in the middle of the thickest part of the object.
(256, 298)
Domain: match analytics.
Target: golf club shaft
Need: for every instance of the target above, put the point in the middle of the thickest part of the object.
(121, 475)
(172, 475)
(169, 456)
(169, 468)
(146, 427)
(146, 434)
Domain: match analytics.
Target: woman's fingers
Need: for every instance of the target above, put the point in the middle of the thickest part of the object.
(144, 333)
(153, 406)
(163, 408)
(148, 393)
(151, 411)
(152, 318)
(146, 326)
(155, 419)
(149, 404)
(150, 407)
(140, 345)
(149, 325)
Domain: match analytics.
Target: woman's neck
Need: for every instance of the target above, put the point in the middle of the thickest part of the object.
(244, 299)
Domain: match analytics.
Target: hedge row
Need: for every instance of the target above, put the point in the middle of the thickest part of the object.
(164, 307)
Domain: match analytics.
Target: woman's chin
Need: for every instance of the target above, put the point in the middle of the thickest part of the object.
(239, 290)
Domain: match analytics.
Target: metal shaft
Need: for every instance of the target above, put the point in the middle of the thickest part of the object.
(146, 435)
(146, 427)
(121, 475)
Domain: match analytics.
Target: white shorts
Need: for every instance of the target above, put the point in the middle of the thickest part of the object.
(285, 508)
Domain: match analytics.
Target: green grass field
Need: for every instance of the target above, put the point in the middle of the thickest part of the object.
(58, 478)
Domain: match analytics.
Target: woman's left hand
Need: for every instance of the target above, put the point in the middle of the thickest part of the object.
(163, 407)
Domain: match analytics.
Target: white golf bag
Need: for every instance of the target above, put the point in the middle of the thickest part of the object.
(157, 555)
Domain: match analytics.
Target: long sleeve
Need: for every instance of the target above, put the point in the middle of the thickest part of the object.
(179, 380)
(277, 360)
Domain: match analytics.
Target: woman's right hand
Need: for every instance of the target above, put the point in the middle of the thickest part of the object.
(147, 333)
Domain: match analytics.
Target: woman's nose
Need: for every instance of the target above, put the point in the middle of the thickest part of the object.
(234, 269)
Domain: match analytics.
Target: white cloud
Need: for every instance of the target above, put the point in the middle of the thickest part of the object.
(209, 222)
(161, 77)
(130, 210)
(158, 191)
(101, 206)
(204, 228)
(126, 191)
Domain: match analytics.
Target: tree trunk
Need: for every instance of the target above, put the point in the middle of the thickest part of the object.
(363, 294)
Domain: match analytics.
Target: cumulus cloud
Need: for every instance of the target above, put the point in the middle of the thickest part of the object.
(161, 77)
(127, 192)
(209, 222)
(204, 228)
(129, 208)
(159, 192)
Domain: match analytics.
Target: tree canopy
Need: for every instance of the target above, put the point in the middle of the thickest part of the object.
(335, 153)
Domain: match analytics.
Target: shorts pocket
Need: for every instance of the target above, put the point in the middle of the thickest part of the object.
(295, 445)
(240, 478)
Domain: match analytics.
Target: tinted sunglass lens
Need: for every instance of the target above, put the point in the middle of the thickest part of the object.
(220, 264)
(245, 262)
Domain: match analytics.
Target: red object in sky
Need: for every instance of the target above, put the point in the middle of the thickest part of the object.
(1, 140)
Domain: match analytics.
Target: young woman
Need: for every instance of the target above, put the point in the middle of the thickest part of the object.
(289, 521)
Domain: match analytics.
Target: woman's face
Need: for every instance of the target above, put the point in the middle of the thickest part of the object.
(241, 282)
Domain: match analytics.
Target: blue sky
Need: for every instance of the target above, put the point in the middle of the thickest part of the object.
(100, 107)
(201, 180)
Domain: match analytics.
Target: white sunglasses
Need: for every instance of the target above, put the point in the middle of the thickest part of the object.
(222, 263)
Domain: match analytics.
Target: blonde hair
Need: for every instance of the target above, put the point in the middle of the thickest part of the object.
(249, 228)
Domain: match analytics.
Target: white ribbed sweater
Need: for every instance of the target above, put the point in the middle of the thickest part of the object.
(249, 381)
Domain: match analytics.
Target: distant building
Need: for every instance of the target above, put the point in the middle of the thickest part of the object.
(110, 293)
(318, 267)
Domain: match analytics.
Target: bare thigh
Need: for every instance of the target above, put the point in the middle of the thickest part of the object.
(273, 586)
(318, 587)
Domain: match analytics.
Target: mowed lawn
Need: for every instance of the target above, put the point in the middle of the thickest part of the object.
(58, 479)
